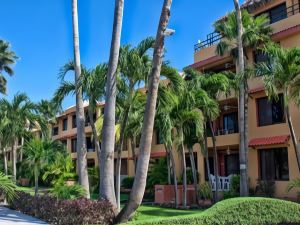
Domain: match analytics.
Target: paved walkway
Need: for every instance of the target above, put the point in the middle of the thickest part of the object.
(11, 217)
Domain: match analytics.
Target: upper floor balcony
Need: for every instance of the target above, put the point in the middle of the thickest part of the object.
(284, 18)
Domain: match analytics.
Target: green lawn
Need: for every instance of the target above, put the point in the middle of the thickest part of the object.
(150, 213)
(30, 190)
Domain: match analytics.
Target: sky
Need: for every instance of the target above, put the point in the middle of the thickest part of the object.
(40, 32)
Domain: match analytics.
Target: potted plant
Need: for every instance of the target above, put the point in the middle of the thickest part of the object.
(205, 194)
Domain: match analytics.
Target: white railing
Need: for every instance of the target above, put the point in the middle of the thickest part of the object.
(224, 183)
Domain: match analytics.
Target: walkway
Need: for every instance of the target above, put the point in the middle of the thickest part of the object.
(11, 217)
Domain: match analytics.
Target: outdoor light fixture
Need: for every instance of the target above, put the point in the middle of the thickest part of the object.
(169, 32)
(228, 151)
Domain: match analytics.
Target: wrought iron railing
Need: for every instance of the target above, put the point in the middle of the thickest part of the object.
(214, 38)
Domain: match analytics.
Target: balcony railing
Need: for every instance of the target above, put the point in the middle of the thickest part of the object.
(211, 39)
(215, 37)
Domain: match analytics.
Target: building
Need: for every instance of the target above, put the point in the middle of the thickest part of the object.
(271, 153)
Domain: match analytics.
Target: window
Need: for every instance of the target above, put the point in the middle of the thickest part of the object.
(230, 123)
(211, 167)
(274, 164)
(73, 145)
(90, 163)
(65, 124)
(55, 131)
(188, 161)
(64, 142)
(90, 144)
(159, 138)
(260, 57)
(276, 13)
(232, 165)
(74, 125)
(270, 112)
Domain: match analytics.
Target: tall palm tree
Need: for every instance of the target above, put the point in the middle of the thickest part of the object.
(282, 74)
(20, 113)
(241, 32)
(81, 145)
(106, 189)
(7, 58)
(139, 184)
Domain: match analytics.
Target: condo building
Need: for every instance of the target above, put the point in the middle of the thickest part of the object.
(271, 152)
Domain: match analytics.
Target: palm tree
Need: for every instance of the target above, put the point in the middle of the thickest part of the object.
(241, 32)
(39, 153)
(7, 58)
(106, 190)
(7, 186)
(281, 74)
(139, 184)
(81, 146)
(20, 113)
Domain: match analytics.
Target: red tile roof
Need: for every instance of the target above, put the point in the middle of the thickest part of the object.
(269, 140)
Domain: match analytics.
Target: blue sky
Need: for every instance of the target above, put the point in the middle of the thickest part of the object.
(41, 34)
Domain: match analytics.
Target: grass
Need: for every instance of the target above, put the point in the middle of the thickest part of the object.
(124, 197)
(30, 190)
(149, 213)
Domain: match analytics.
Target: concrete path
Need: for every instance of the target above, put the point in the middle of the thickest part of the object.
(11, 217)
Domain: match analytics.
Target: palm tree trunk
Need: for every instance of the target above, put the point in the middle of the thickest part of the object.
(119, 157)
(205, 149)
(5, 162)
(94, 131)
(139, 184)
(174, 176)
(246, 134)
(293, 134)
(168, 166)
(36, 180)
(81, 145)
(184, 194)
(216, 168)
(14, 160)
(132, 141)
(194, 171)
(240, 69)
(108, 135)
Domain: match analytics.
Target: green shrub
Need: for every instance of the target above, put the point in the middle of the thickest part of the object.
(205, 191)
(64, 212)
(234, 188)
(189, 176)
(68, 192)
(265, 188)
(127, 182)
(94, 179)
(240, 211)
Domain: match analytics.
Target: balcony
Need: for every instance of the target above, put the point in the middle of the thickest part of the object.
(281, 17)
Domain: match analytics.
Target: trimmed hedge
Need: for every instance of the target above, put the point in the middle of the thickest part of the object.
(240, 211)
(64, 212)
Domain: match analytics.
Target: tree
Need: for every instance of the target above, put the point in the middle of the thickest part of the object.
(139, 184)
(106, 189)
(20, 114)
(7, 186)
(282, 74)
(242, 32)
(39, 153)
(81, 146)
(7, 58)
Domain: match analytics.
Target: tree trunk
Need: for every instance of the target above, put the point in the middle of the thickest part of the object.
(168, 166)
(244, 191)
(205, 149)
(108, 135)
(132, 141)
(5, 162)
(216, 168)
(14, 160)
(293, 134)
(194, 170)
(174, 176)
(36, 180)
(119, 157)
(184, 194)
(81, 145)
(139, 184)
(94, 131)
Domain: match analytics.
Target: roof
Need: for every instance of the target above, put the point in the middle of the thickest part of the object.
(275, 140)
(256, 90)
(252, 5)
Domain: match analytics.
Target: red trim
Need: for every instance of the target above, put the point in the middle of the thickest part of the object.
(256, 90)
(154, 155)
(255, 142)
(287, 32)
(210, 60)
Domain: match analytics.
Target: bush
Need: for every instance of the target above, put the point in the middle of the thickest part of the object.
(234, 188)
(205, 191)
(265, 188)
(241, 211)
(127, 182)
(68, 192)
(64, 212)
